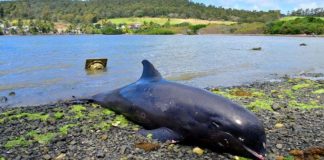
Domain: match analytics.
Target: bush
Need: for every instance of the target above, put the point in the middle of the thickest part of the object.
(193, 29)
(307, 25)
(111, 31)
(157, 31)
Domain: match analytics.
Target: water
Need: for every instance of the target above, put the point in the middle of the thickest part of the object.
(43, 69)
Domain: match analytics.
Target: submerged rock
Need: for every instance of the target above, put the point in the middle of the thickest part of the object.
(3, 99)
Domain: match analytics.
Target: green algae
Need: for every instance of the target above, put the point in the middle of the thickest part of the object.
(120, 121)
(294, 103)
(102, 126)
(42, 138)
(260, 104)
(45, 138)
(18, 142)
(300, 86)
(107, 112)
(78, 111)
(65, 129)
(289, 158)
(58, 115)
(319, 91)
(78, 108)
(289, 93)
(30, 116)
(149, 136)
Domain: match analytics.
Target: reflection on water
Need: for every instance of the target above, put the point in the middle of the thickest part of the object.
(42, 69)
(32, 69)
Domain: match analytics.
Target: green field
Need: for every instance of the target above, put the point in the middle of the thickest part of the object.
(294, 17)
(162, 21)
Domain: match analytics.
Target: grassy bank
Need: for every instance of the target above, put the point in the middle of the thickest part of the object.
(292, 111)
(162, 21)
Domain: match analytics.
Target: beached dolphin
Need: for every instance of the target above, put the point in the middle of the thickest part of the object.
(172, 111)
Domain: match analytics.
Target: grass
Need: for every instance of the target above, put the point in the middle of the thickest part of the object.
(162, 21)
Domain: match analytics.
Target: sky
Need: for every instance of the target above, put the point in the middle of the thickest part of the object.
(283, 5)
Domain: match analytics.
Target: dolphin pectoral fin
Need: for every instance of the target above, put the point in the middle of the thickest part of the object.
(162, 134)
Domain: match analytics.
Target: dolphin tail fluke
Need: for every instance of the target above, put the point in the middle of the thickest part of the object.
(149, 71)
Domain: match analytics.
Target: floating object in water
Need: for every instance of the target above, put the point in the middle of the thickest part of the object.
(257, 49)
(93, 65)
(176, 112)
(303, 44)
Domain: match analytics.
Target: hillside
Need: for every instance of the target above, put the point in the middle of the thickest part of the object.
(90, 11)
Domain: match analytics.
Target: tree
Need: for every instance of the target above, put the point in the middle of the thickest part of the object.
(1, 12)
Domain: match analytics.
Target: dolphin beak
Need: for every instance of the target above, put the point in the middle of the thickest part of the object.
(257, 155)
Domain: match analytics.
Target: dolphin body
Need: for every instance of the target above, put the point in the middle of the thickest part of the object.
(172, 111)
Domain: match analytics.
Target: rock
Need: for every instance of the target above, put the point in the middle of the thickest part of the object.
(275, 107)
(279, 125)
(61, 157)
(3, 99)
(198, 151)
(279, 146)
(280, 158)
(47, 156)
(100, 154)
(104, 137)
(147, 146)
(12, 94)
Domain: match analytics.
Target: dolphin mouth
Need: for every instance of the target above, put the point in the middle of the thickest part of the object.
(257, 155)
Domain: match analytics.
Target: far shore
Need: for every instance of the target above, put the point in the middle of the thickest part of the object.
(268, 35)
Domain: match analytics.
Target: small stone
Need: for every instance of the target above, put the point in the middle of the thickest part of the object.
(279, 125)
(279, 146)
(198, 151)
(60, 157)
(47, 156)
(100, 154)
(147, 146)
(275, 107)
(280, 158)
(104, 137)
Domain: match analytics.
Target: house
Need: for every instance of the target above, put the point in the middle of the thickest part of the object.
(135, 26)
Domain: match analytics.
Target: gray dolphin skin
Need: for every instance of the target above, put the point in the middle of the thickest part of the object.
(172, 111)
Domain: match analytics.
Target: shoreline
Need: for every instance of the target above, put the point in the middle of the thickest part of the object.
(264, 35)
(292, 111)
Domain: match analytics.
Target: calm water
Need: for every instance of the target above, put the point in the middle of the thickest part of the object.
(42, 69)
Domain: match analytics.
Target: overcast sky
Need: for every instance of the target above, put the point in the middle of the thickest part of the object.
(283, 5)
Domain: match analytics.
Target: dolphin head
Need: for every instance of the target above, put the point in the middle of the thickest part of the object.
(239, 133)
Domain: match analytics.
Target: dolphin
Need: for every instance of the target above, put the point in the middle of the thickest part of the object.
(181, 113)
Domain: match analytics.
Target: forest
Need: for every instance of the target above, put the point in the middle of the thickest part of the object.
(106, 17)
(90, 11)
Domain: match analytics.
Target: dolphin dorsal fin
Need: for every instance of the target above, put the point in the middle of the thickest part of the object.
(149, 71)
